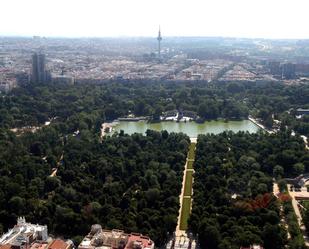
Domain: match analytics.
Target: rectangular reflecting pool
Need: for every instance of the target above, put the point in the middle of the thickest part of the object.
(192, 129)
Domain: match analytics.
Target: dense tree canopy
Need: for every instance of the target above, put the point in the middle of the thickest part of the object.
(126, 182)
(133, 182)
(83, 106)
(233, 204)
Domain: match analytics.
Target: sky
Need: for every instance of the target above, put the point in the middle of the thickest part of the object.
(113, 18)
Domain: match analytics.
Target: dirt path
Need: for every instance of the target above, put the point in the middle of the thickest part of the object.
(54, 172)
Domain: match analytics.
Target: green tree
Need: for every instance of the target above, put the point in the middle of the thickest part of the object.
(298, 168)
(278, 171)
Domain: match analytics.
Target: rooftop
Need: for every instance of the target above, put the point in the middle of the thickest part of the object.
(100, 238)
(39, 245)
(58, 244)
(139, 241)
(24, 232)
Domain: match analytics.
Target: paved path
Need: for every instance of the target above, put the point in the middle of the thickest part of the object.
(193, 140)
(253, 120)
(276, 190)
(294, 196)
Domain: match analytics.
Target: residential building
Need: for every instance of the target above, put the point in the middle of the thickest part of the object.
(62, 79)
(39, 73)
(301, 111)
(138, 241)
(39, 245)
(274, 67)
(288, 71)
(114, 239)
(24, 234)
(60, 244)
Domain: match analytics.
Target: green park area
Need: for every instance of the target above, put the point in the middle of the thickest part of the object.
(188, 183)
(191, 154)
(185, 213)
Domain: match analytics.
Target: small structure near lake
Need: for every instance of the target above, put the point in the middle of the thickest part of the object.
(179, 116)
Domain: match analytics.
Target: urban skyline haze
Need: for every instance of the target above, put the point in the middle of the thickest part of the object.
(101, 18)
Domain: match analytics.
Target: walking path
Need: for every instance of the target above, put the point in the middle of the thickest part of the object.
(303, 194)
(182, 240)
(54, 172)
(253, 120)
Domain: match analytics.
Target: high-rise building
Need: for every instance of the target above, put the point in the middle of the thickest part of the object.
(39, 74)
(288, 71)
(274, 67)
(282, 70)
(159, 38)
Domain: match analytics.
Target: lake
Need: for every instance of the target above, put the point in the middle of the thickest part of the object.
(192, 129)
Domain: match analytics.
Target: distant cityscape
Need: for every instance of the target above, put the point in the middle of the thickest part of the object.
(69, 61)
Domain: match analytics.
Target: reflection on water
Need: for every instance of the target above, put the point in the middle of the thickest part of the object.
(192, 129)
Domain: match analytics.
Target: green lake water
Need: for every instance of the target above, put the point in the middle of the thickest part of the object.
(192, 129)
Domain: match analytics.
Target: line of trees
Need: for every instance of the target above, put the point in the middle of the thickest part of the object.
(33, 105)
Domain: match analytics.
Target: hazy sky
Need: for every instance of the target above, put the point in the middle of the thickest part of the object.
(236, 18)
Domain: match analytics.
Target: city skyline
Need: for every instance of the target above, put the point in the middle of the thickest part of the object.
(239, 18)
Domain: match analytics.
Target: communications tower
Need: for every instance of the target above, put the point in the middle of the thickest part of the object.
(159, 38)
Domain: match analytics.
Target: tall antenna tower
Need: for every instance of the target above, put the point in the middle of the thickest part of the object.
(159, 38)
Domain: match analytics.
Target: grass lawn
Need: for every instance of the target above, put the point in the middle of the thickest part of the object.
(185, 213)
(191, 153)
(305, 204)
(188, 183)
(190, 165)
